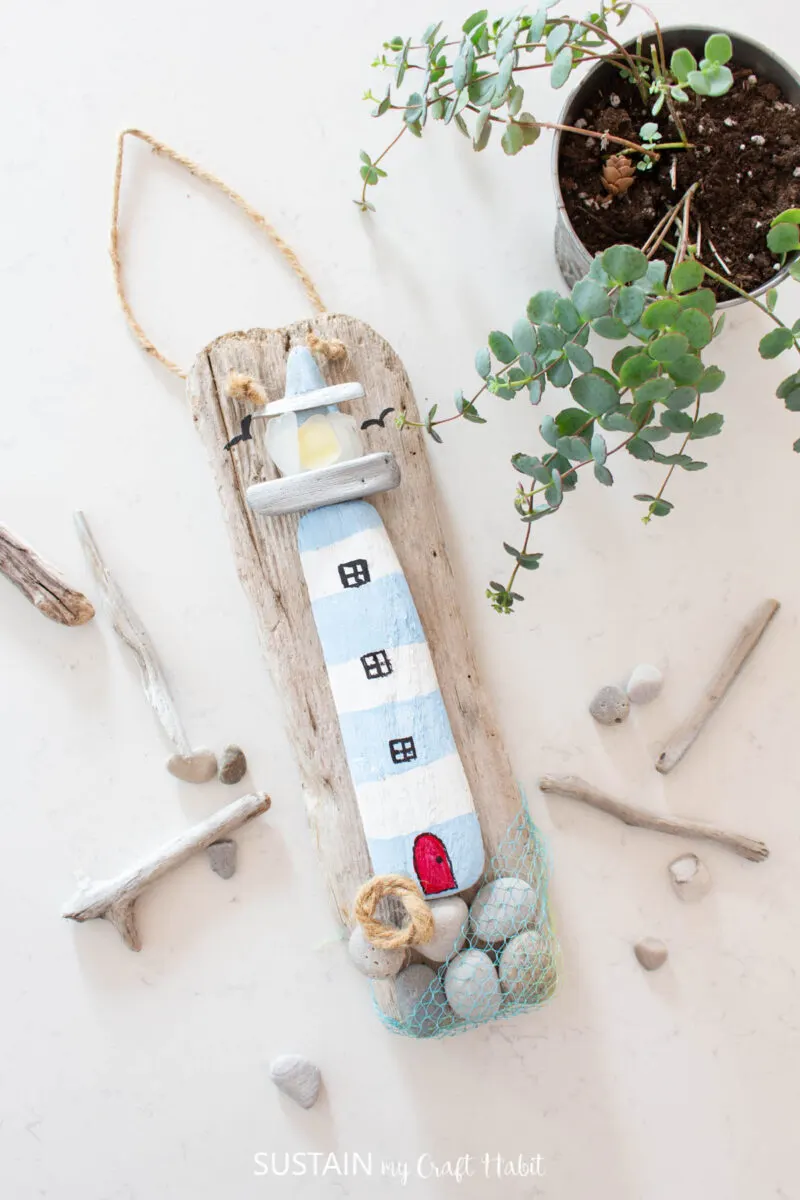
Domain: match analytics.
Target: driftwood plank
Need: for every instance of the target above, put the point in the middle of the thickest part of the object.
(41, 583)
(269, 567)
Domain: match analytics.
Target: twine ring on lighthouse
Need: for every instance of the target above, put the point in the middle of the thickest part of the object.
(413, 795)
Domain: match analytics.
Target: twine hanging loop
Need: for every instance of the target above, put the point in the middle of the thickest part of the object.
(419, 927)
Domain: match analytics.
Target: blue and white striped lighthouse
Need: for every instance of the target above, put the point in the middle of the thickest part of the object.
(413, 796)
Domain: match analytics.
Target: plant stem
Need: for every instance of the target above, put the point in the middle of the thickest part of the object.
(381, 156)
(659, 494)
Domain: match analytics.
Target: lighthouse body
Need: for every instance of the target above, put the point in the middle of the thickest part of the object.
(415, 802)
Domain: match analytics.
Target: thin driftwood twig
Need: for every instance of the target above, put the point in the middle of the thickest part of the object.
(746, 641)
(41, 583)
(114, 899)
(577, 789)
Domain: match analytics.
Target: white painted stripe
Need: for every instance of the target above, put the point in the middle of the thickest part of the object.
(404, 804)
(412, 675)
(321, 567)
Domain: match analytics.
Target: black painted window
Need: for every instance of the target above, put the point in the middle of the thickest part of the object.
(402, 750)
(376, 664)
(355, 573)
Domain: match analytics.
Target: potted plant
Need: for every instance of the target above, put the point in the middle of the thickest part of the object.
(642, 239)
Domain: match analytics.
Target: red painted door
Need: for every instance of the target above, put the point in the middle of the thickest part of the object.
(432, 865)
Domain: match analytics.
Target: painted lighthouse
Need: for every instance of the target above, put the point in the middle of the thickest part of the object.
(413, 796)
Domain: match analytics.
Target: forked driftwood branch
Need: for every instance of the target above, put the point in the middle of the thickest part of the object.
(577, 789)
(40, 583)
(748, 638)
(114, 899)
(133, 633)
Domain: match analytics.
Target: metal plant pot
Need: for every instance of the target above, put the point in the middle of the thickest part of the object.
(572, 256)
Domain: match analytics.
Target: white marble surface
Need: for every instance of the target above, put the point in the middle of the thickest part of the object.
(136, 1077)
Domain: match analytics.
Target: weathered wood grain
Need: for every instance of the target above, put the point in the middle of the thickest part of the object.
(41, 584)
(268, 565)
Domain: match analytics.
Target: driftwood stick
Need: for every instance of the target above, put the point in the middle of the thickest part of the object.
(577, 789)
(40, 583)
(114, 899)
(133, 633)
(746, 641)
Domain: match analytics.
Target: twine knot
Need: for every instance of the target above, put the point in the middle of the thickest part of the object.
(419, 927)
(330, 348)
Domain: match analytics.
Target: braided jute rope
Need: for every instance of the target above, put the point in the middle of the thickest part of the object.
(417, 930)
(332, 349)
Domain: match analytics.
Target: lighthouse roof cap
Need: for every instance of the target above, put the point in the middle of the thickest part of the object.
(306, 387)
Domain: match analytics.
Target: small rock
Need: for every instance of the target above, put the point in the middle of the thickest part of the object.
(502, 908)
(610, 706)
(373, 961)
(222, 856)
(796, 173)
(197, 767)
(690, 877)
(297, 1078)
(614, 100)
(525, 967)
(450, 929)
(233, 766)
(758, 140)
(645, 683)
(581, 123)
(421, 1000)
(651, 953)
(751, 81)
(472, 986)
(729, 121)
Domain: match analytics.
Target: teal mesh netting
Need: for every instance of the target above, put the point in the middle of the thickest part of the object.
(508, 962)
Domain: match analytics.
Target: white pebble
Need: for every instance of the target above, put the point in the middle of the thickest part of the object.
(645, 683)
(296, 1077)
(610, 706)
(450, 928)
(796, 173)
(472, 986)
(758, 140)
(729, 121)
(526, 968)
(501, 909)
(421, 1000)
(614, 100)
(651, 953)
(373, 961)
(690, 877)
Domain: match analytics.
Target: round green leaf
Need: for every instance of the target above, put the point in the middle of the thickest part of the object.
(610, 327)
(698, 83)
(676, 422)
(598, 448)
(718, 79)
(686, 276)
(640, 449)
(718, 48)
(512, 140)
(594, 394)
(783, 238)
(655, 391)
(775, 342)
(502, 346)
(624, 263)
(483, 362)
(566, 315)
(660, 314)
(562, 67)
(622, 356)
(630, 304)
(711, 379)
(637, 370)
(579, 356)
(707, 426)
(560, 373)
(590, 299)
(686, 369)
(681, 398)
(789, 215)
(558, 35)
(681, 63)
(542, 307)
(604, 476)
(696, 326)
(668, 347)
(703, 298)
(524, 337)
(551, 337)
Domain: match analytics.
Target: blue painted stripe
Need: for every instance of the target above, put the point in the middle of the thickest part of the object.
(324, 526)
(462, 838)
(377, 616)
(367, 733)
